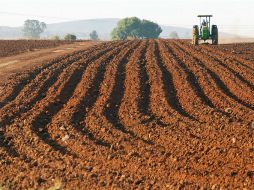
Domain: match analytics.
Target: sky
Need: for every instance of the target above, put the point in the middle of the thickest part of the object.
(232, 16)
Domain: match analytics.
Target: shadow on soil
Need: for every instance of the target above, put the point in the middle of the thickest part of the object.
(39, 125)
(221, 85)
(87, 103)
(145, 89)
(6, 144)
(116, 97)
(191, 78)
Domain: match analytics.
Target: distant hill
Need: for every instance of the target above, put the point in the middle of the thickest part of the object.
(104, 27)
(82, 29)
(10, 32)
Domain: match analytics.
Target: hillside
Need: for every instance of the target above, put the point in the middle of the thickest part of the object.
(10, 32)
(82, 28)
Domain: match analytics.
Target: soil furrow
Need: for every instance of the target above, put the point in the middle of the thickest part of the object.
(192, 92)
(108, 100)
(228, 59)
(87, 101)
(129, 110)
(171, 94)
(242, 93)
(228, 68)
(75, 70)
(112, 106)
(248, 65)
(94, 109)
(95, 73)
(135, 114)
(23, 79)
(48, 78)
(42, 132)
(145, 88)
(217, 94)
(190, 65)
(45, 117)
(191, 78)
(103, 117)
(16, 109)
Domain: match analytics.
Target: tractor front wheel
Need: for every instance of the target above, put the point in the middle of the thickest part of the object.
(195, 35)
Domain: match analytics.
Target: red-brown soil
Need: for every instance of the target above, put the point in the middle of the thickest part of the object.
(13, 47)
(150, 114)
(27, 60)
(245, 50)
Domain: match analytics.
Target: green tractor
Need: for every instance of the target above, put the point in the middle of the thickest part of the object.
(205, 31)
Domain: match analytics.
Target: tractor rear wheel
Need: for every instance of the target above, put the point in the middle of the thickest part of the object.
(195, 34)
(215, 35)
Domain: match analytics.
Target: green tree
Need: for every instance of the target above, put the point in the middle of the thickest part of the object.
(150, 29)
(173, 35)
(70, 37)
(128, 27)
(133, 27)
(33, 28)
(94, 35)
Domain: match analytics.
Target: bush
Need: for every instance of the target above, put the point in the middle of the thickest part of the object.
(70, 37)
(173, 35)
(57, 38)
(94, 35)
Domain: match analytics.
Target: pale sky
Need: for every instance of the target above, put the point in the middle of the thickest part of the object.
(233, 16)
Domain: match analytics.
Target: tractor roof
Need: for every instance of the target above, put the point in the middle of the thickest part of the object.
(205, 15)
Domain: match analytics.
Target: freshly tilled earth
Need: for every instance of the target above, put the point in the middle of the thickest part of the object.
(150, 114)
(13, 47)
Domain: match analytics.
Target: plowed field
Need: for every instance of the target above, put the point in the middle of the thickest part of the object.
(150, 114)
(13, 47)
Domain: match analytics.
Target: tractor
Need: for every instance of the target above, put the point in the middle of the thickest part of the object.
(205, 31)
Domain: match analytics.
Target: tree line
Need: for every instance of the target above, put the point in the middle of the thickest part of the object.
(127, 28)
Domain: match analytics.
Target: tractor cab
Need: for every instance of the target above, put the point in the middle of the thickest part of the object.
(204, 31)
